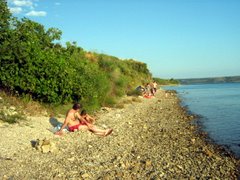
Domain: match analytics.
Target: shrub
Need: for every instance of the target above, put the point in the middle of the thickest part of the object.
(10, 118)
(33, 66)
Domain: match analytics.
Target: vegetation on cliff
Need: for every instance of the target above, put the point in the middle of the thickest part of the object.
(34, 65)
(166, 81)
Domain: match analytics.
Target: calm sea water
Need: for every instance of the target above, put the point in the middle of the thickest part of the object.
(219, 108)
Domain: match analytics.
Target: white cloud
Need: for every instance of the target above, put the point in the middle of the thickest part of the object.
(36, 13)
(22, 3)
(15, 10)
(23, 6)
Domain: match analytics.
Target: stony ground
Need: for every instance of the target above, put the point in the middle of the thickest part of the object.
(152, 139)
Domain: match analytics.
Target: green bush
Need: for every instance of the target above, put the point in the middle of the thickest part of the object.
(11, 119)
(125, 75)
(165, 81)
(34, 66)
(134, 93)
(110, 101)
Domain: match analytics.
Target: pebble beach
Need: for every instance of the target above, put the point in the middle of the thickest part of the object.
(152, 139)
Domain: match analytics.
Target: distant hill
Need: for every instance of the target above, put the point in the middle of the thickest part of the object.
(227, 79)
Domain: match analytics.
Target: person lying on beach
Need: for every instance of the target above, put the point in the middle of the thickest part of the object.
(76, 122)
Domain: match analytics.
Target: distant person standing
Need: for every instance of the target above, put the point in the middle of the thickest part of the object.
(155, 86)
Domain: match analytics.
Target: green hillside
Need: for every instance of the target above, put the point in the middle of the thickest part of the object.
(35, 66)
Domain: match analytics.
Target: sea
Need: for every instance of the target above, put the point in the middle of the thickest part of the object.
(218, 109)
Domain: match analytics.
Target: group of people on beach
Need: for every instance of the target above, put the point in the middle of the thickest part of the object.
(149, 90)
(76, 120)
(81, 121)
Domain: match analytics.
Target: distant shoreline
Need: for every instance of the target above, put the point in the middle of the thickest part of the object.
(211, 80)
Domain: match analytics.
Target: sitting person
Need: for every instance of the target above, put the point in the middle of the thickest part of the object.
(148, 91)
(75, 122)
(87, 117)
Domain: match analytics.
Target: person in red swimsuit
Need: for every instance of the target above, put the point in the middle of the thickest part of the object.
(73, 128)
(75, 122)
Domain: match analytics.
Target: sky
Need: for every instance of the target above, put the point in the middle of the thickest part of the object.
(175, 38)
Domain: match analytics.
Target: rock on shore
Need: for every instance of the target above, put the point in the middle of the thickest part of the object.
(151, 139)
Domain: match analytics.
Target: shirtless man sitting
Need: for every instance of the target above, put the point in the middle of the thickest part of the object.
(75, 122)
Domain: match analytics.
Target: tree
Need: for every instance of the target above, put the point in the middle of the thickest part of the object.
(5, 17)
(5, 34)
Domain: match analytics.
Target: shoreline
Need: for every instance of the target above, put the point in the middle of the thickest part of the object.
(196, 120)
(226, 151)
(203, 134)
(154, 138)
